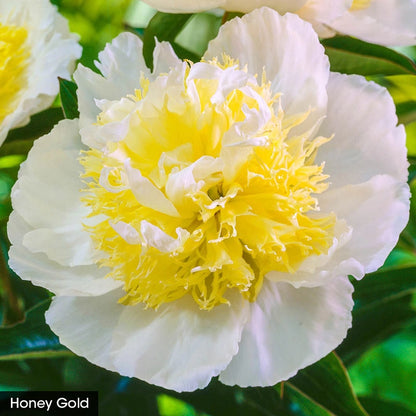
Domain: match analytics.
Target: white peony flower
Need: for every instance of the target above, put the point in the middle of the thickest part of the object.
(385, 22)
(202, 220)
(36, 49)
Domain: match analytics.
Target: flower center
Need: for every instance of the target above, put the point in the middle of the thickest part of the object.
(360, 4)
(207, 187)
(13, 62)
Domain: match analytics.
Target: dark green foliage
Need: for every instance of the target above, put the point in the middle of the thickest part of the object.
(69, 100)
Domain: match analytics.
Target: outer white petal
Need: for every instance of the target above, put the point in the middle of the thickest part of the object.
(49, 245)
(367, 141)
(386, 22)
(377, 211)
(68, 246)
(290, 329)
(48, 190)
(53, 52)
(41, 271)
(178, 347)
(287, 49)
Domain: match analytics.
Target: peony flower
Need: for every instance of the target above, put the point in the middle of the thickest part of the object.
(385, 22)
(202, 220)
(36, 49)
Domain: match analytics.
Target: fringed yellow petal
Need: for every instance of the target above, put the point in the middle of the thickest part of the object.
(13, 63)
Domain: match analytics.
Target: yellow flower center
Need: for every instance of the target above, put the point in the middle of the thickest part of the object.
(13, 62)
(360, 4)
(209, 188)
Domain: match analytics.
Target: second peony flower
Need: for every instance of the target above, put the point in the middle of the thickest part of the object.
(202, 219)
(385, 22)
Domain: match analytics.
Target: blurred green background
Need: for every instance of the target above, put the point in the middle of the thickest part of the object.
(380, 351)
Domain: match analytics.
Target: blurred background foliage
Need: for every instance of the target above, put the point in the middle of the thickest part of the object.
(372, 373)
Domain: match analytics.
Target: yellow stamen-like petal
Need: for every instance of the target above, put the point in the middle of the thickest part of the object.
(360, 4)
(211, 188)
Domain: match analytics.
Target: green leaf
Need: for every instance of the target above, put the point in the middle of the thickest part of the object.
(406, 112)
(353, 56)
(323, 389)
(197, 33)
(230, 15)
(220, 400)
(387, 371)
(69, 100)
(403, 90)
(302, 405)
(327, 383)
(379, 407)
(411, 146)
(375, 324)
(39, 125)
(401, 87)
(382, 308)
(31, 338)
(16, 148)
(165, 27)
(184, 53)
(169, 406)
(383, 286)
(28, 375)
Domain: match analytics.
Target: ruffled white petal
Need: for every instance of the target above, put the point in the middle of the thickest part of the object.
(385, 22)
(49, 244)
(284, 47)
(68, 246)
(122, 66)
(178, 347)
(61, 280)
(92, 87)
(290, 329)
(53, 51)
(367, 141)
(123, 56)
(164, 59)
(147, 194)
